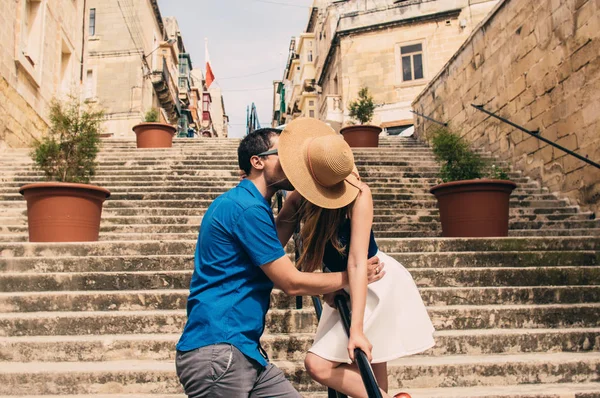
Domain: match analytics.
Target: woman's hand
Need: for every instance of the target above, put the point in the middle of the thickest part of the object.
(374, 269)
(359, 340)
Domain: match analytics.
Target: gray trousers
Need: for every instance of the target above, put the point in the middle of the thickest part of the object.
(221, 370)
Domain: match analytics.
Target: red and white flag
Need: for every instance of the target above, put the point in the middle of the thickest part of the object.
(210, 77)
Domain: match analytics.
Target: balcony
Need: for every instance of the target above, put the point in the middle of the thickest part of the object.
(166, 91)
(184, 90)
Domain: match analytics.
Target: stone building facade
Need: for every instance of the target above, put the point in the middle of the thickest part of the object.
(537, 64)
(127, 44)
(391, 47)
(40, 59)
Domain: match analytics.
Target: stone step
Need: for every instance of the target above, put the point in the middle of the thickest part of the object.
(198, 170)
(175, 299)
(217, 186)
(558, 390)
(216, 160)
(157, 262)
(8, 230)
(18, 221)
(12, 192)
(377, 195)
(407, 216)
(430, 202)
(547, 390)
(228, 177)
(180, 279)
(413, 372)
(424, 233)
(458, 317)
(388, 245)
(288, 347)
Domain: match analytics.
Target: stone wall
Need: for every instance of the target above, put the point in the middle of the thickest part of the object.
(20, 124)
(537, 64)
(38, 67)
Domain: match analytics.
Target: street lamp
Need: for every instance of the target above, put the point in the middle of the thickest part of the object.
(168, 42)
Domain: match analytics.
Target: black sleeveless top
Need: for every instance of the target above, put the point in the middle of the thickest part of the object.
(336, 262)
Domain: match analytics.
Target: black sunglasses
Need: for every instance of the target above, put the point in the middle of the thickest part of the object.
(269, 152)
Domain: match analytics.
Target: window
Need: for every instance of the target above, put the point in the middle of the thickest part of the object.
(92, 21)
(310, 56)
(32, 31)
(311, 113)
(65, 69)
(412, 62)
(311, 103)
(89, 90)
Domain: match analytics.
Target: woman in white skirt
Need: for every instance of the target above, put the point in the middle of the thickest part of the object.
(335, 209)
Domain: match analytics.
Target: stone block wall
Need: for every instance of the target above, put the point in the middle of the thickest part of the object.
(536, 63)
(26, 90)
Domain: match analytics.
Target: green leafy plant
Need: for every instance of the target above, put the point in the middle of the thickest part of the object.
(459, 162)
(152, 116)
(68, 152)
(362, 109)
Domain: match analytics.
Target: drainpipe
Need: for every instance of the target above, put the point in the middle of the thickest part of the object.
(82, 41)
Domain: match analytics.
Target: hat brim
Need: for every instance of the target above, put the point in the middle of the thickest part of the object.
(293, 142)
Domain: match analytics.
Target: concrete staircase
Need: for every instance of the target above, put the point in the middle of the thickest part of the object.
(516, 317)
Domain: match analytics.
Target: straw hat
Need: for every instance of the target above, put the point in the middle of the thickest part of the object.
(318, 163)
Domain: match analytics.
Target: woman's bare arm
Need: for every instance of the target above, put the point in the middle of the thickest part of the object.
(361, 223)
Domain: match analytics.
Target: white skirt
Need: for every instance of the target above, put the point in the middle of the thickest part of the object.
(396, 321)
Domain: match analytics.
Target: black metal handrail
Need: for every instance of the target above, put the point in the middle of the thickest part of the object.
(537, 135)
(430, 119)
(359, 356)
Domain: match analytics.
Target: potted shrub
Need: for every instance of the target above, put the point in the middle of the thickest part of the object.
(68, 209)
(473, 199)
(362, 134)
(153, 134)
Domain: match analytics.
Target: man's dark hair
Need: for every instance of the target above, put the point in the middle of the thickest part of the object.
(254, 143)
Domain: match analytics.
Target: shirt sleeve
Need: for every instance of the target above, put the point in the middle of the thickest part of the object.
(256, 232)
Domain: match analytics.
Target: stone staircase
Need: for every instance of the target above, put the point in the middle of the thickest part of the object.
(515, 317)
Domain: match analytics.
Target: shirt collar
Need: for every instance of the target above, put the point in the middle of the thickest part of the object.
(251, 188)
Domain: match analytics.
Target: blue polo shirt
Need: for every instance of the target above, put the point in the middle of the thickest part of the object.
(229, 292)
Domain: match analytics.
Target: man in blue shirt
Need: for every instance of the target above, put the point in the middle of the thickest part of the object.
(238, 261)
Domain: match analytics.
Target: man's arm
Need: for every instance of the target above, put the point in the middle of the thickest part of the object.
(286, 277)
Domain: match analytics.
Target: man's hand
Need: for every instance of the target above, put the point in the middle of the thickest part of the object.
(374, 269)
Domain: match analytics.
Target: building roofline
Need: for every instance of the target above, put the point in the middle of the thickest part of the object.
(380, 26)
(158, 16)
(312, 20)
(478, 28)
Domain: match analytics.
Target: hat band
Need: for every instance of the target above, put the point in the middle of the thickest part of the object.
(312, 172)
(353, 184)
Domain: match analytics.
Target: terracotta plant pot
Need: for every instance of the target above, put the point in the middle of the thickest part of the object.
(154, 135)
(361, 136)
(63, 212)
(474, 208)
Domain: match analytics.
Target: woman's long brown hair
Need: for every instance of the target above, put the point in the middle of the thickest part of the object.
(319, 226)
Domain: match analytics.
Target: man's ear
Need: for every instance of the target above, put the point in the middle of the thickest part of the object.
(257, 162)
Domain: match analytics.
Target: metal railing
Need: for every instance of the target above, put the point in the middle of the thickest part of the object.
(534, 133)
(537, 135)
